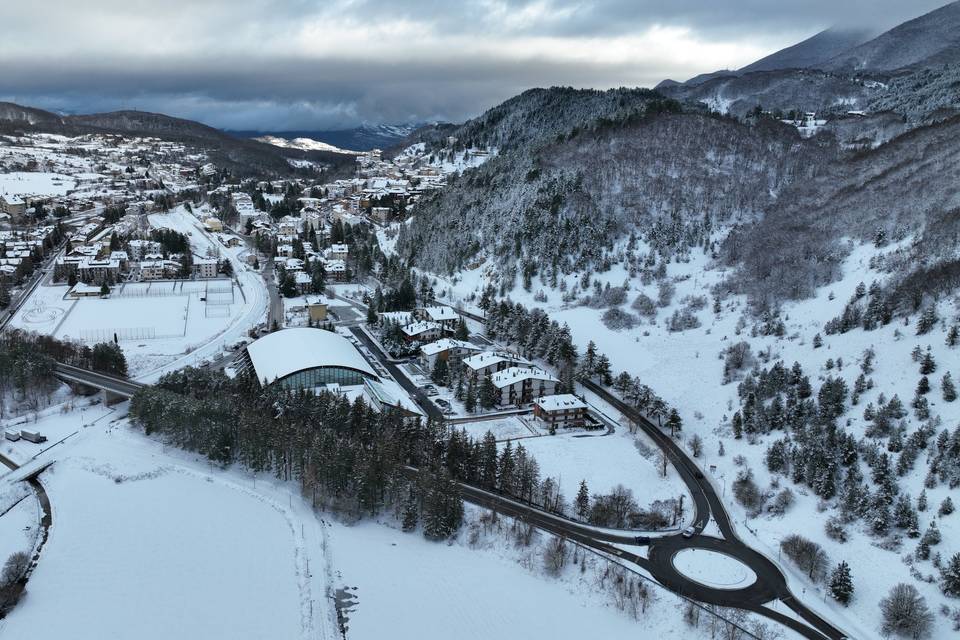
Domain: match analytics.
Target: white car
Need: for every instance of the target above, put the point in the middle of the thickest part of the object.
(689, 532)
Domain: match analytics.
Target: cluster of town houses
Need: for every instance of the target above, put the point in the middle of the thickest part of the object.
(17, 248)
(517, 381)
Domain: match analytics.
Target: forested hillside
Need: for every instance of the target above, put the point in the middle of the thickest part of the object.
(903, 189)
(669, 178)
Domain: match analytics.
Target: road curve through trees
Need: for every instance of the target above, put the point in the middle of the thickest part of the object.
(771, 583)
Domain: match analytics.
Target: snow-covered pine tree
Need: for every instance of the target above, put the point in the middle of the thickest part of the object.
(841, 583)
(582, 501)
(950, 576)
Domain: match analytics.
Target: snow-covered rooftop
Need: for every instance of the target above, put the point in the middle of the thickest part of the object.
(439, 314)
(514, 375)
(445, 344)
(287, 351)
(560, 402)
(390, 393)
(417, 328)
(488, 358)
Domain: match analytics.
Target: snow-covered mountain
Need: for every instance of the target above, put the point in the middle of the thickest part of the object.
(362, 138)
(812, 52)
(303, 144)
(910, 69)
(929, 40)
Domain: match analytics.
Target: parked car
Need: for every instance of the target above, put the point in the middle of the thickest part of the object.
(689, 532)
(443, 403)
(642, 539)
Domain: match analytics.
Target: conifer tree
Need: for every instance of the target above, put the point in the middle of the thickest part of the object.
(411, 512)
(841, 584)
(950, 576)
(470, 403)
(927, 364)
(948, 388)
(582, 501)
(953, 336)
(488, 394)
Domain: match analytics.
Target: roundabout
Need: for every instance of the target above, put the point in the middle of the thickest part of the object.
(713, 569)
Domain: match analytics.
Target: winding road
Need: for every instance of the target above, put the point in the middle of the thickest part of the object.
(770, 585)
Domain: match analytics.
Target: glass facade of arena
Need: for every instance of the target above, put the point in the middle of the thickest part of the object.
(320, 376)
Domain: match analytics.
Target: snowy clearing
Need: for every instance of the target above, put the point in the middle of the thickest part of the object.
(136, 538)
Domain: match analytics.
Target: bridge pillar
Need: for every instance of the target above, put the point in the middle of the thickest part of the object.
(110, 398)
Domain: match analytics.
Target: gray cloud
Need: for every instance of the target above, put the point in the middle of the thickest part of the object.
(305, 64)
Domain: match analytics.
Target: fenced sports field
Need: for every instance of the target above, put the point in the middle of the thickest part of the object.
(137, 311)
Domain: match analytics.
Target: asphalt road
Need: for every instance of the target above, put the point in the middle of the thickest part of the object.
(415, 392)
(107, 382)
(771, 583)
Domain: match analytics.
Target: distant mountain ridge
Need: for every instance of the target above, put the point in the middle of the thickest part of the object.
(362, 138)
(931, 39)
(813, 51)
(304, 144)
(911, 69)
(239, 154)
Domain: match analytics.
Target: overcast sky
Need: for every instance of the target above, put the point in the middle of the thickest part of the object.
(325, 64)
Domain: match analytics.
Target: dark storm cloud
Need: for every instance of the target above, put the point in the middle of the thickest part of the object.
(304, 64)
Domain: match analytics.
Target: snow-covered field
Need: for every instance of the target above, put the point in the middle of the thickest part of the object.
(19, 517)
(151, 330)
(502, 429)
(149, 543)
(20, 183)
(605, 462)
(407, 587)
(167, 327)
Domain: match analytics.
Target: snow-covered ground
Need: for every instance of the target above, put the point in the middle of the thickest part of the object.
(605, 462)
(713, 569)
(19, 517)
(507, 428)
(161, 326)
(149, 543)
(686, 369)
(22, 183)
